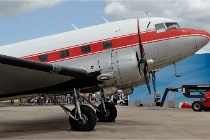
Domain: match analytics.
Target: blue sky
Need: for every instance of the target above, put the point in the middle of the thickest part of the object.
(21, 20)
(51, 20)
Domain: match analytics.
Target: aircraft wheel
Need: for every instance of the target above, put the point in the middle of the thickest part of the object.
(197, 106)
(88, 122)
(111, 113)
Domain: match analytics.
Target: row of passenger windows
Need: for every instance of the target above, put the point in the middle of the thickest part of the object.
(84, 49)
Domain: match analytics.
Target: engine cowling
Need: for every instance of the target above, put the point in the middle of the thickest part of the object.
(125, 66)
(118, 68)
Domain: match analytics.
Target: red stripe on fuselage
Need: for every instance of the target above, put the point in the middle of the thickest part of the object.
(117, 43)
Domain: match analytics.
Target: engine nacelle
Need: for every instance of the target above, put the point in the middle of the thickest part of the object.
(118, 68)
(125, 66)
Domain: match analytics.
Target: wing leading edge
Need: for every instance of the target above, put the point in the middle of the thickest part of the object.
(39, 66)
(20, 76)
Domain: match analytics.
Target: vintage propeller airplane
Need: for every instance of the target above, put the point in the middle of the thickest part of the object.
(105, 58)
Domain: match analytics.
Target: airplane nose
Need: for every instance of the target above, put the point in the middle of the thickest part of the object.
(202, 38)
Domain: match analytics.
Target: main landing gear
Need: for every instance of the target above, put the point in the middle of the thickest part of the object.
(83, 117)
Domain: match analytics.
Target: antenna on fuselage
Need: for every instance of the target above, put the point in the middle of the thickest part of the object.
(74, 26)
(147, 13)
(143, 12)
(105, 19)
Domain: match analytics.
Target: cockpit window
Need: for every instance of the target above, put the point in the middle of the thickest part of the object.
(172, 25)
(160, 28)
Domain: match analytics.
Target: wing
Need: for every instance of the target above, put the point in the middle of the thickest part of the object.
(19, 76)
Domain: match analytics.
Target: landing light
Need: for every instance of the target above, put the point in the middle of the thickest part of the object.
(104, 78)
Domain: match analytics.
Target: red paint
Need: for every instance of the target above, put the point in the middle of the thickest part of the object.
(117, 43)
(206, 104)
(186, 105)
(207, 96)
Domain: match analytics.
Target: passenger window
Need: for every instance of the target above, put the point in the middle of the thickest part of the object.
(85, 49)
(107, 44)
(43, 57)
(160, 28)
(64, 53)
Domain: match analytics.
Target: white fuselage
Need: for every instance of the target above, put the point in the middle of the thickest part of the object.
(118, 58)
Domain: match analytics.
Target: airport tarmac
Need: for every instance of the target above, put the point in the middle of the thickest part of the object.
(50, 122)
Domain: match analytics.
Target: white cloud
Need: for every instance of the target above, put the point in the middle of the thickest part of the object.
(12, 8)
(115, 9)
(189, 13)
(133, 9)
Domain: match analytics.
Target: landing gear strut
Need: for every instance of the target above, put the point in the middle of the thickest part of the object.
(106, 111)
(82, 117)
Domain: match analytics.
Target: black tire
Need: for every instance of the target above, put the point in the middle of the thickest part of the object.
(90, 119)
(197, 106)
(111, 113)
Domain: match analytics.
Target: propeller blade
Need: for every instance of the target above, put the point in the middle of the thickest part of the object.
(140, 44)
(146, 76)
(143, 66)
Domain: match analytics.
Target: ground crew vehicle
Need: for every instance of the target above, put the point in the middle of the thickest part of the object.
(187, 90)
